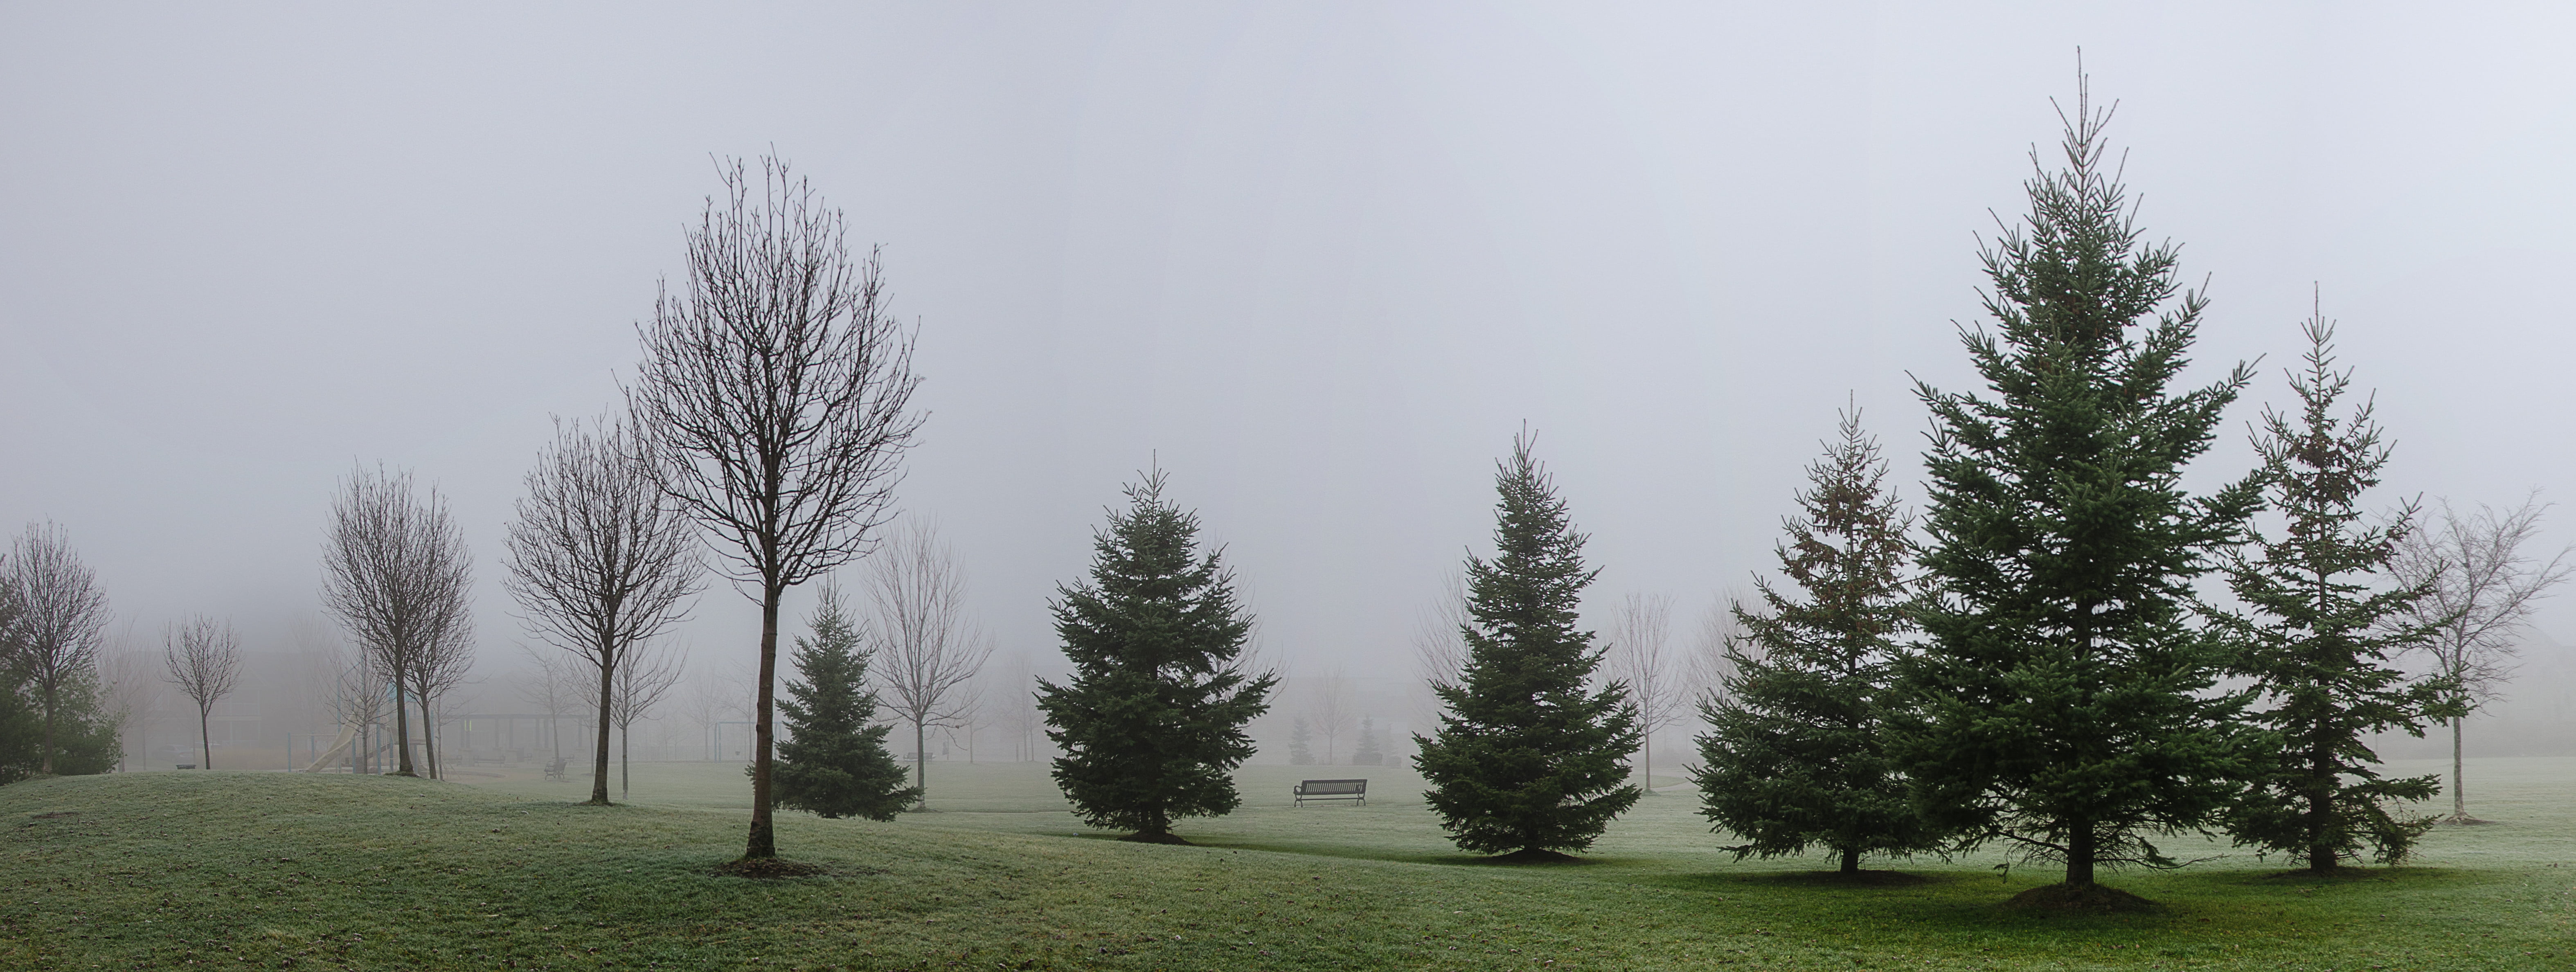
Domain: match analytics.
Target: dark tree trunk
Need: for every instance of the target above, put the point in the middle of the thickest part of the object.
(599, 752)
(428, 733)
(205, 736)
(1851, 861)
(402, 731)
(920, 767)
(764, 842)
(2321, 850)
(2079, 855)
(2459, 797)
(48, 767)
(625, 773)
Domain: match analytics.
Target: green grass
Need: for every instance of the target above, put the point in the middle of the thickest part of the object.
(277, 870)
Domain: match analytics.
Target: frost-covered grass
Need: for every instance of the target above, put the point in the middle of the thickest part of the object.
(291, 871)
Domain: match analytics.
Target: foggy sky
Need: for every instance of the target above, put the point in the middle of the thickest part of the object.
(1321, 261)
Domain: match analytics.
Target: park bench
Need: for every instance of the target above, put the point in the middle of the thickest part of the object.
(1354, 790)
(555, 770)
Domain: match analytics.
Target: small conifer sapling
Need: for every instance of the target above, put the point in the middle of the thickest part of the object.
(834, 762)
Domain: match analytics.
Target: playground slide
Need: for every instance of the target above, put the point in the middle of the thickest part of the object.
(348, 735)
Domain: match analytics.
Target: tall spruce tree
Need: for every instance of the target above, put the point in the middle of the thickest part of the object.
(834, 763)
(1527, 761)
(2068, 681)
(2327, 625)
(1799, 750)
(1151, 723)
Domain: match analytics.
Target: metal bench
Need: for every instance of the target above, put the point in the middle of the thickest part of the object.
(555, 770)
(1353, 790)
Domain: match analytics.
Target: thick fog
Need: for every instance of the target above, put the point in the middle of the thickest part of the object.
(1319, 262)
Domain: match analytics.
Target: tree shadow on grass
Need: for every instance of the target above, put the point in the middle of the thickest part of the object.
(1821, 880)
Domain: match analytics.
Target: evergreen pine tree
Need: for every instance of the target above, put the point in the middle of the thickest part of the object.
(1151, 723)
(2327, 626)
(1301, 743)
(833, 763)
(1525, 760)
(1368, 752)
(2068, 687)
(1798, 751)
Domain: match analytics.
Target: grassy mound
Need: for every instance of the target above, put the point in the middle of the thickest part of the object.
(2090, 899)
(285, 871)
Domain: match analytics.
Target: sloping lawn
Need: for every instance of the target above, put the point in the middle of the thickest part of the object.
(240, 870)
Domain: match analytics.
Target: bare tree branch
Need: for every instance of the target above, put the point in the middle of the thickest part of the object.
(927, 650)
(1440, 642)
(61, 617)
(2484, 587)
(204, 659)
(396, 573)
(642, 680)
(776, 397)
(1330, 710)
(1638, 655)
(599, 558)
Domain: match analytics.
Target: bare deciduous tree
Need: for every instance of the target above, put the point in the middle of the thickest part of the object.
(927, 650)
(1016, 707)
(553, 690)
(1705, 669)
(1440, 642)
(776, 391)
(61, 616)
(396, 573)
(643, 678)
(204, 659)
(361, 698)
(599, 558)
(2484, 588)
(437, 671)
(1331, 712)
(130, 686)
(709, 700)
(1639, 655)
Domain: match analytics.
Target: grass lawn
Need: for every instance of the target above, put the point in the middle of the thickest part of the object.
(275, 870)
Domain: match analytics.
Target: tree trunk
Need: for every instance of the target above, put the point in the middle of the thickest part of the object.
(1851, 861)
(48, 767)
(2459, 797)
(429, 732)
(402, 731)
(599, 751)
(920, 768)
(2079, 855)
(205, 737)
(764, 841)
(1646, 759)
(2322, 852)
(625, 773)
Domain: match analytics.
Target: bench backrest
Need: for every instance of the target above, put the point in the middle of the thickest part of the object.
(1332, 787)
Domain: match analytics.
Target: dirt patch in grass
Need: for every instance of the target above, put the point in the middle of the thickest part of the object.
(768, 868)
(2088, 900)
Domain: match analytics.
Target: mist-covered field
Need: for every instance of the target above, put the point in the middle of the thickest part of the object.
(277, 870)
